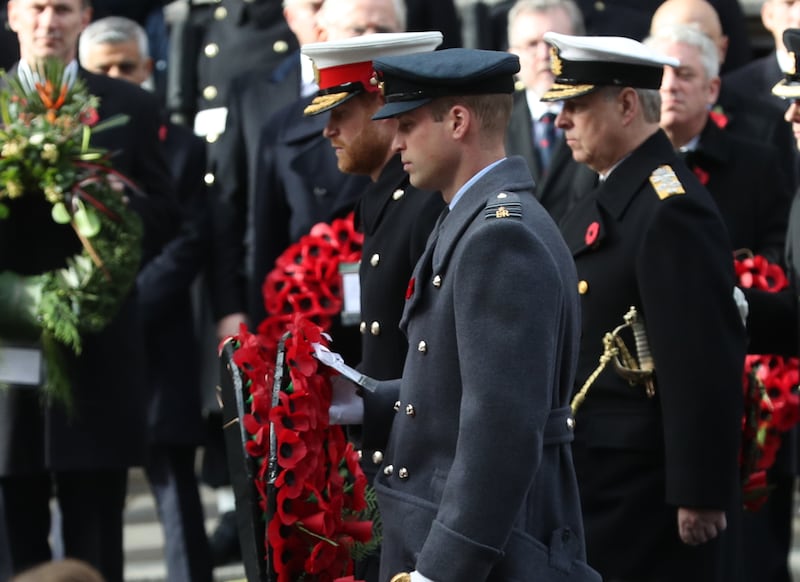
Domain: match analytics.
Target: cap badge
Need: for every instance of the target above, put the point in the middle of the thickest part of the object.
(556, 65)
(373, 80)
(665, 182)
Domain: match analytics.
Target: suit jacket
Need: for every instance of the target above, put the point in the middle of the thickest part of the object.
(298, 185)
(396, 219)
(747, 184)
(639, 458)
(234, 160)
(477, 482)
(173, 350)
(554, 187)
(110, 391)
(757, 79)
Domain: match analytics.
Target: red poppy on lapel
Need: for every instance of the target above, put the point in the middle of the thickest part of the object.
(592, 231)
(410, 288)
(701, 174)
(718, 117)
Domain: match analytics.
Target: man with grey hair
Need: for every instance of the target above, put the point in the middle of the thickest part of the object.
(117, 47)
(532, 133)
(657, 438)
(744, 177)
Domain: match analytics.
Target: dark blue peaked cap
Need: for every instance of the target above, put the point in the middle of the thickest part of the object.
(411, 81)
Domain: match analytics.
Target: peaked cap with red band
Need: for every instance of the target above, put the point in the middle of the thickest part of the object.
(344, 68)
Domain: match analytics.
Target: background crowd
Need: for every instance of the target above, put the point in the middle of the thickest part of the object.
(234, 173)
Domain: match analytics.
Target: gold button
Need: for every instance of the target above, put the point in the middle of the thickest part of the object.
(208, 178)
(210, 93)
(388, 470)
(375, 328)
(583, 287)
(398, 194)
(220, 13)
(360, 454)
(599, 6)
(363, 327)
(375, 259)
(280, 46)
(422, 346)
(437, 281)
(570, 423)
(396, 406)
(211, 50)
(502, 195)
(212, 137)
(410, 410)
(403, 473)
(377, 457)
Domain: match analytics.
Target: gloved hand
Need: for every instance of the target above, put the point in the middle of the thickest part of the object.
(741, 304)
(347, 407)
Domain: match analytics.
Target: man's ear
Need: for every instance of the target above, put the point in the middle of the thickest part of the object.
(713, 90)
(628, 102)
(460, 119)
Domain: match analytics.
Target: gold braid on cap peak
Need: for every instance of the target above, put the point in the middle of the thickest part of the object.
(322, 102)
(555, 61)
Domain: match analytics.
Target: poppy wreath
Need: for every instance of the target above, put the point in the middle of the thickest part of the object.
(772, 404)
(320, 513)
(306, 278)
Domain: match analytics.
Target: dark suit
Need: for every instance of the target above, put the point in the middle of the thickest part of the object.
(747, 184)
(477, 482)
(174, 416)
(87, 454)
(638, 458)
(756, 79)
(758, 117)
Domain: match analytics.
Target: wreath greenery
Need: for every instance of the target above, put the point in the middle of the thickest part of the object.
(48, 117)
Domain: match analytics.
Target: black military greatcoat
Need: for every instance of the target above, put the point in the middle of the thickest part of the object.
(639, 458)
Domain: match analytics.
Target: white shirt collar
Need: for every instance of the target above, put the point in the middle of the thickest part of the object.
(470, 182)
(539, 108)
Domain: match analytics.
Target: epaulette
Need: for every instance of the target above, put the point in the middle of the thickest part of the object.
(665, 182)
(503, 205)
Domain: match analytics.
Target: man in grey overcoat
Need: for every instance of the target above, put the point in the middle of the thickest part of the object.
(477, 482)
